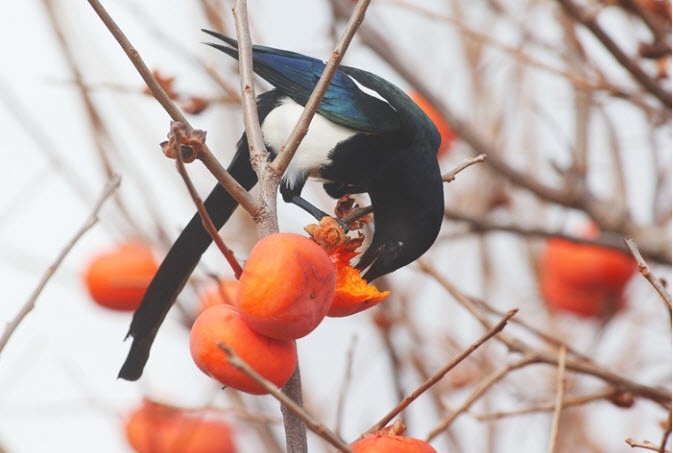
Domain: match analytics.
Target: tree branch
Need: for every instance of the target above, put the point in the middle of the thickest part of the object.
(228, 182)
(11, 326)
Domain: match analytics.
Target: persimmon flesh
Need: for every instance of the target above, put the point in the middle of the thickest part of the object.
(274, 359)
(286, 287)
(353, 293)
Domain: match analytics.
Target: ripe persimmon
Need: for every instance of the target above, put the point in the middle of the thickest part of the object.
(157, 428)
(443, 127)
(584, 279)
(117, 278)
(286, 287)
(390, 443)
(274, 359)
(224, 292)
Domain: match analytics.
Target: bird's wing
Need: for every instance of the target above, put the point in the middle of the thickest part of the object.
(296, 75)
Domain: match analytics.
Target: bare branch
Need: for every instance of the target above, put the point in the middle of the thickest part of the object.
(432, 380)
(589, 21)
(644, 269)
(228, 182)
(315, 426)
(205, 218)
(659, 395)
(558, 404)
(301, 128)
(28, 306)
(450, 176)
(646, 445)
(478, 392)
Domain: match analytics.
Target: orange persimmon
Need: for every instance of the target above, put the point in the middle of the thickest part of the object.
(584, 279)
(275, 360)
(390, 443)
(286, 287)
(117, 278)
(443, 127)
(353, 294)
(157, 428)
(224, 292)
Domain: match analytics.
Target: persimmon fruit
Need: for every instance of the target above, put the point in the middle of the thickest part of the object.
(157, 428)
(286, 287)
(117, 278)
(274, 359)
(445, 131)
(584, 279)
(389, 443)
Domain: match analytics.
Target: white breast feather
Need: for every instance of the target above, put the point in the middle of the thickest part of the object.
(322, 137)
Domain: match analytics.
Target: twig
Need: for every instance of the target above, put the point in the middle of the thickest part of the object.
(558, 404)
(597, 209)
(644, 269)
(450, 176)
(101, 135)
(478, 224)
(359, 212)
(241, 195)
(478, 392)
(348, 376)
(301, 128)
(589, 21)
(646, 444)
(267, 220)
(28, 306)
(432, 380)
(658, 395)
(205, 218)
(315, 426)
(569, 402)
(666, 435)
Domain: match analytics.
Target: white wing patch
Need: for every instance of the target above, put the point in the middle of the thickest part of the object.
(323, 135)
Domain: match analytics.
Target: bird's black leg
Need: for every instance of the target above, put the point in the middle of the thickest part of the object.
(314, 211)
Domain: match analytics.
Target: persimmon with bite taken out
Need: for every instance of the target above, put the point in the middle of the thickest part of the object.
(158, 428)
(353, 294)
(274, 359)
(117, 278)
(286, 287)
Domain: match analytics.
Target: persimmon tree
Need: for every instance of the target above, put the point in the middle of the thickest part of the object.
(554, 115)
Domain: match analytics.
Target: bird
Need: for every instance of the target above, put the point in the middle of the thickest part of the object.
(367, 136)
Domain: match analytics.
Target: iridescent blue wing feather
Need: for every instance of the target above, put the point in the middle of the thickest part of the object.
(296, 75)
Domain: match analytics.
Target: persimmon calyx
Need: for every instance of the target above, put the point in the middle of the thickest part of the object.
(188, 143)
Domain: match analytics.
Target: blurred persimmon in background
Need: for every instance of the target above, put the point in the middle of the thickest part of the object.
(117, 278)
(584, 279)
(157, 428)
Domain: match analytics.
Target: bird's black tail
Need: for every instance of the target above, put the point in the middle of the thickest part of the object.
(179, 264)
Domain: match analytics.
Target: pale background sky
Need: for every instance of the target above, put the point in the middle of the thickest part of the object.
(58, 373)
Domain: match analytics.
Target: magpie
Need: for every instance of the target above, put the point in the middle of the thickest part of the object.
(368, 136)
